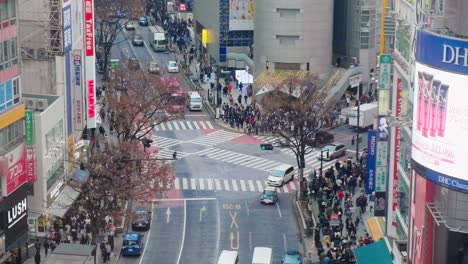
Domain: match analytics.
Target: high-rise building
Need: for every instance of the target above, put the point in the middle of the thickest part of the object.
(13, 205)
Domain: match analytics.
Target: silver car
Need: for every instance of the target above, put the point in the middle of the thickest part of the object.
(332, 151)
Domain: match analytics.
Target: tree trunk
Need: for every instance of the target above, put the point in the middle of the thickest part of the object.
(300, 191)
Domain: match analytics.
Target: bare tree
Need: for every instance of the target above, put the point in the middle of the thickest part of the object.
(120, 173)
(111, 18)
(295, 110)
(139, 101)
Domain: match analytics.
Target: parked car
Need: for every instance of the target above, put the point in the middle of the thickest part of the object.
(172, 67)
(133, 63)
(292, 257)
(138, 40)
(281, 175)
(321, 137)
(332, 151)
(130, 25)
(132, 244)
(269, 195)
(143, 21)
(154, 67)
(142, 220)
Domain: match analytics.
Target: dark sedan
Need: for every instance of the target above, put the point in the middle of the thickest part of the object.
(142, 220)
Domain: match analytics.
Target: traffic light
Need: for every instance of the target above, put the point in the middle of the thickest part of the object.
(266, 146)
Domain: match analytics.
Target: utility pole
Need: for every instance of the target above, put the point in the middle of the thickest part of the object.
(358, 120)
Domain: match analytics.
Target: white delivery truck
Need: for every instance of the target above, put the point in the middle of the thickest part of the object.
(195, 101)
(367, 115)
(262, 255)
(157, 38)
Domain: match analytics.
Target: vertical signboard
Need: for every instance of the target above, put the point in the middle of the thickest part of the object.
(77, 91)
(31, 175)
(396, 153)
(385, 71)
(29, 128)
(371, 161)
(89, 63)
(66, 27)
(380, 204)
(14, 168)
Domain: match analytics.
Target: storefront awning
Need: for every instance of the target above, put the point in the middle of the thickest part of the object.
(376, 252)
(63, 201)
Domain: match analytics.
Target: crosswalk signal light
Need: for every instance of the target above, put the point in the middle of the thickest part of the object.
(266, 146)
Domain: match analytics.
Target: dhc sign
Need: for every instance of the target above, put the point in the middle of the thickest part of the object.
(17, 212)
(442, 52)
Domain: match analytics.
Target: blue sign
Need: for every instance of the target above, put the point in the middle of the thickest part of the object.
(371, 160)
(442, 52)
(68, 92)
(67, 28)
(441, 179)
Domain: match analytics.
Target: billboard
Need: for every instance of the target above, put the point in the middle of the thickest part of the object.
(241, 15)
(396, 153)
(385, 79)
(67, 27)
(90, 59)
(371, 161)
(29, 128)
(77, 91)
(13, 166)
(31, 175)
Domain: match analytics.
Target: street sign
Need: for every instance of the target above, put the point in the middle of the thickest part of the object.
(355, 80)
(385, 72)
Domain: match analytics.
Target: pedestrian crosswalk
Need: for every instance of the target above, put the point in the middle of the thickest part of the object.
(167, 154)
(164, 142)
(214, 138)
(230, 185)
(239, 159)
(184, 125)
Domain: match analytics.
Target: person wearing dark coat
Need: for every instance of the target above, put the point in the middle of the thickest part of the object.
(37, 258)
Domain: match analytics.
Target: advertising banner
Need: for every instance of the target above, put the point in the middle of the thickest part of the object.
(385, 72)
(382, 154)
(241, 15)
(396, 153)
(29, 128)
(380, 203)
(381, 179)
(384, 102)
(66, 27)
(371, 160)
(68, 93)
(90, 74)
(14, 168)
(383, 128)
(77, 92)
(31, 175)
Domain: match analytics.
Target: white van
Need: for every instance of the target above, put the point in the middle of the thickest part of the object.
(262, 255)
(281, 175)
(228, 257)
(195, 101)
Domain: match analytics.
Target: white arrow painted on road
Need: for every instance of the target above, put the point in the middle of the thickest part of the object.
(202, 212)
(168, 215)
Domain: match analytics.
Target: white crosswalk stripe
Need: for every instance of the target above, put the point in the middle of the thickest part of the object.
(184, 125)
(164, 142)
(229, 185)
(167, 154)
(215, 138)
(239, 159)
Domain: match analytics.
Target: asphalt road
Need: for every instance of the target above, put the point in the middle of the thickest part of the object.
(219, 176)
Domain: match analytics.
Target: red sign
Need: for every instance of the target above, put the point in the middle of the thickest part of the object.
(91, 99)
(31, 175)
(396, 155)
(14, 167)
(89, 27)
(182, 7)
(334, 217)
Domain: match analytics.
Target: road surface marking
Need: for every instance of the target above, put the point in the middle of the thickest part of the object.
(202, 212)
(196, 115)
(184, 183)
(174, 123)
(259, 186)
(247, 210)
(203, 125)
(285, 188)
(249, 161)
(292, 185)
(168, 215)
(250, 241)
(242, 183)
(169, 127)
(267, 164)
(279, 211)
(148, 236)
(233, 216)
(202, 184)
(163, 127)
(182, 125)
(234, 159)
(193, 183)
(284, 242)
(226, 185)
(196, 125)
(176, 183)
(251, 186)
(184, 199)
(233, 237)
(183, 234)
(234, 185)
(208, 123)
(210, 184)
(218, 185)
(189, 125)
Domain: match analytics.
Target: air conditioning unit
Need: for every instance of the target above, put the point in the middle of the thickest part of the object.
(30, 103)
(41, 104)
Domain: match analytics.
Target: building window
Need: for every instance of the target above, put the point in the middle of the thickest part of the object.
(287, 41)
(11, 134)
(54, 139)
(10, 94)
(8, 53)
(7, 10)
(288, 12)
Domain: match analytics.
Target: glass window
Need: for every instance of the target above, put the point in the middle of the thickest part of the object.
(403, 196)
(13, 8)
(6, 54)
(1, 55)
(3, 11)
(14, 50)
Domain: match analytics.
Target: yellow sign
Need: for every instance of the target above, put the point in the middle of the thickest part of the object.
(384, 102)
(12, 116)
(374, 228)
(205, 37)
(382, 26)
